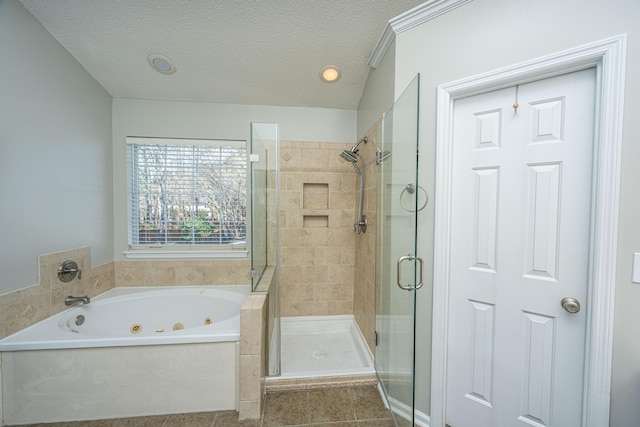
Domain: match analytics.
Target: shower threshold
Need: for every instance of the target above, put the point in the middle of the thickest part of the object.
(323, 346)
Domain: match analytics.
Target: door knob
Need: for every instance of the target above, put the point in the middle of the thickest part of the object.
(571, 305)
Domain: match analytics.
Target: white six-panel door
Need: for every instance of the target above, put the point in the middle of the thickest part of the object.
(521, 203)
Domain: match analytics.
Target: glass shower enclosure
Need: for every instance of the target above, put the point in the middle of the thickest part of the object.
(265, 213)
(399, 271)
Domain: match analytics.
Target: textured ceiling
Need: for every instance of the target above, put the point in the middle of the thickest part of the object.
(262, 52)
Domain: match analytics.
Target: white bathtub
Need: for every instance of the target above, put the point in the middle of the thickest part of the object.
(116, 363)
(140, 316)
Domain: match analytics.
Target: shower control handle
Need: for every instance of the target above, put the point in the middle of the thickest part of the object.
(399, 275)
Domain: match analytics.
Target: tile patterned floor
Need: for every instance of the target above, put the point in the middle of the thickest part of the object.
(330, 407)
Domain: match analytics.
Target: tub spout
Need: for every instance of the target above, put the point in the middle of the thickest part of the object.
(76, 300)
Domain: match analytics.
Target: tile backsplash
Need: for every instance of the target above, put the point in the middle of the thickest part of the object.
(183, 272)
(25, 307)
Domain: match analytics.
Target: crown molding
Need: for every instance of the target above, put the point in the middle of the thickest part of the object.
(416, 16)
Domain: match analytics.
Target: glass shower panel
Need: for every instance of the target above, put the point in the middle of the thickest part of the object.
(258, 191)
(265, 226)
(396, 279)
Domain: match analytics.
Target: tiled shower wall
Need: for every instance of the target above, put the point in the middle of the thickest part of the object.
(317, 203)
(326, 267)
(364, 300)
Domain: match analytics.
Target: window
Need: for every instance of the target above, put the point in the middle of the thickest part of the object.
(186, 195)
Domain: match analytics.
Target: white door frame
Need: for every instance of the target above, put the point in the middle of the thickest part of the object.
(608, 56)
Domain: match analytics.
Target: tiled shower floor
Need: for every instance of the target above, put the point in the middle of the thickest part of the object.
(329, 407)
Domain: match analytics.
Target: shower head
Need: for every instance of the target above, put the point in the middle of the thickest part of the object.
(352, 157)
(349, 156)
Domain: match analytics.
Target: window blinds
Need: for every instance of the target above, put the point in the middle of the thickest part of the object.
(186, 192)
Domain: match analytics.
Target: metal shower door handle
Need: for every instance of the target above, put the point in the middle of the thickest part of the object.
(399, 275)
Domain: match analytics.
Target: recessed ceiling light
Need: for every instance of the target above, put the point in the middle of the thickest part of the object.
(330, 74)
(161, 63)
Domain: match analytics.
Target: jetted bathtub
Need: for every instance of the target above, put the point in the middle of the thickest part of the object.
(129, 352)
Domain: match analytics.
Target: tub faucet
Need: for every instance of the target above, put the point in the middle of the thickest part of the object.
(76, 300)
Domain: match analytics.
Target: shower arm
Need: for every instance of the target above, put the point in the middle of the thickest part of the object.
(355, 147)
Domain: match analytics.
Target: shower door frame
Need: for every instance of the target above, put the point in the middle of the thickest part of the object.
(397, 274)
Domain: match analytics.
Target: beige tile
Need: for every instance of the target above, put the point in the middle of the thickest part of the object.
(58, 296)
(314, 274)
(297, 255)
(341, 236)
(150, 421)
(342, 218)
(286, 409)
(27, 311)
(250, 377)
(327, 405)
(325, 291)
(8, 298)
(159, 274)
(315, 200)
(305, 144)
(290, 274)
(291, 200)
(224, 274)
(294, 218)
(340, 274)
(342, 201)
(312, 237)
(190, 275)
(231, 419)
(367, 403)
(290, 237)
(129, 273)
(314, 308)
(99, 283)
(339, 307)
(199, 419)
(250, 326)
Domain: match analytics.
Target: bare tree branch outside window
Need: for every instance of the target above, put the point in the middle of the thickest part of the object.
(187, 194)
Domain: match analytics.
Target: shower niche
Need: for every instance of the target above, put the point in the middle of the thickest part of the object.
(315, 195)
(315, 205)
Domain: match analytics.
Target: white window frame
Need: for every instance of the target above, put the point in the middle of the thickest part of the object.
(182, 251)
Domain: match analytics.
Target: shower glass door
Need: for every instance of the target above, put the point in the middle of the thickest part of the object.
(398, 271)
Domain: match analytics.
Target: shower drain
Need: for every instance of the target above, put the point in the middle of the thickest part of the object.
(319, 354)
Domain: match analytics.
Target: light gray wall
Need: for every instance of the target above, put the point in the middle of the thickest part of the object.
(215, 121)
(379, 92)
(55, 152)
(488, 34)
